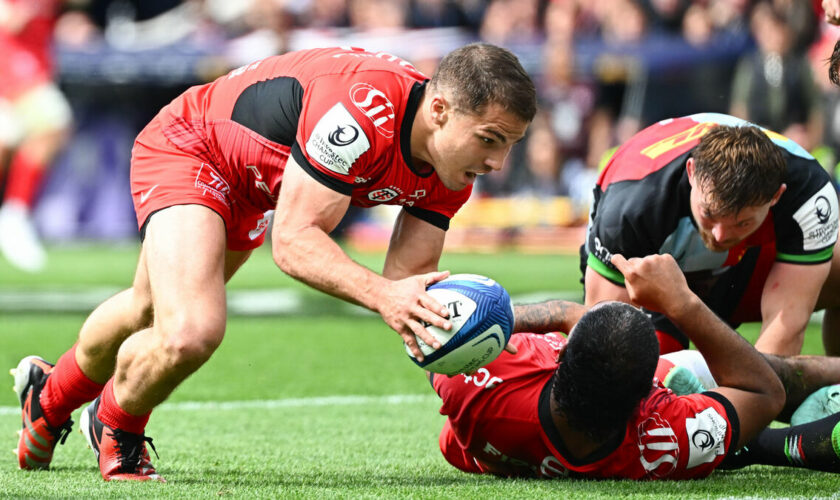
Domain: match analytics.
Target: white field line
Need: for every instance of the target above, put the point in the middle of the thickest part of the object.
(269, 404)
(240, 302)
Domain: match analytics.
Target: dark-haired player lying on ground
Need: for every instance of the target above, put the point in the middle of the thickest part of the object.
(585, 406)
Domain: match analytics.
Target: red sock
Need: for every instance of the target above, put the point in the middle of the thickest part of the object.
(67, 388)
(113, 416)
(25, 179)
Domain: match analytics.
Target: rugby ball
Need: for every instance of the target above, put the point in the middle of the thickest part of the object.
(481, 314)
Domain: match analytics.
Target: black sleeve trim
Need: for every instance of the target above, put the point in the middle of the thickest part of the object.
(330, 182)
(733, 419)
(434, 218)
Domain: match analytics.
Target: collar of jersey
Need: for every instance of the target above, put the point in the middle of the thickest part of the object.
(411, 106)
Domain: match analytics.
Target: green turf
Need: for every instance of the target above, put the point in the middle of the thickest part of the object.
(297, 446)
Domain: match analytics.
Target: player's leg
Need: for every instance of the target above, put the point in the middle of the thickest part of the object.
(813, 446)
(185, 258)
(45, 117)
(122, 315)
(829, 301)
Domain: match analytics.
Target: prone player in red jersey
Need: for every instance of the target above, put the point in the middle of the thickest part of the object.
(34, 122)
(589, 405)
(305, 134)
(749, 215)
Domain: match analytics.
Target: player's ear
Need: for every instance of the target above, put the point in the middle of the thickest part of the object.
(439, 109)
(689, 168)
(778, 194)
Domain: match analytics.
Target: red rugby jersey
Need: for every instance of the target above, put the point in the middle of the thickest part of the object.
(343, 114)
(26, 55)
(499, 423)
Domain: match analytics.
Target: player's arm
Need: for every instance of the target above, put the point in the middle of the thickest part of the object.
(597, 288)
(744, 377)
(548, 316)
(415, 247)
(306, 212)
(787, 301)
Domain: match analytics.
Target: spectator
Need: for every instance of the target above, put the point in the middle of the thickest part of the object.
(774, 87)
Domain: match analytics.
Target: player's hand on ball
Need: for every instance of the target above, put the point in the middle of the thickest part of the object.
(407, 308)
(654, 282)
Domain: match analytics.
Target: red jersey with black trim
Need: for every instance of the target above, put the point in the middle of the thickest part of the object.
(343, 114)
(26, 55)
(500, 423)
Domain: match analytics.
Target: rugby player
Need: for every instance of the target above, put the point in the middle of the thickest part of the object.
(34, 122)
(306, 134)
(589, 405)
(750, 217)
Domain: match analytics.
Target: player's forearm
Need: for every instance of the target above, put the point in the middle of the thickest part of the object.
(783, 336)
(549, 316)
(801, 376)
(311, 256)
(732, 361)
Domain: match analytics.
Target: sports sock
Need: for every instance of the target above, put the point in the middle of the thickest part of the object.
(66, 389)
(25, 179)
(815, 445)
(113, 416)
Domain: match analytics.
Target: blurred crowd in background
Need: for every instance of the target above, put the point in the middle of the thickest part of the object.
(604, 69)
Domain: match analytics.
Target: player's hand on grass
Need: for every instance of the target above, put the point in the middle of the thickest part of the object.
(407, 308)
(654, 282)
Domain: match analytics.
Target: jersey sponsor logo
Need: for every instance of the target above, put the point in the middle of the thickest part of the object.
(706, 436)
(361, 180)
(337, 140)
(212, 183)
(259, 183)
(601, 252)
(818, 219)
(376, 106)
(551, 467)
(483, 378)
(261, 226)
(673, 142)
(659, 449)
(383, 195)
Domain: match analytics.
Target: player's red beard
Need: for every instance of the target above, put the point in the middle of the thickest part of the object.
(712, 244)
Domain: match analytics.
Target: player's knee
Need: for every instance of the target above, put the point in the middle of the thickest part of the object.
(190, 340)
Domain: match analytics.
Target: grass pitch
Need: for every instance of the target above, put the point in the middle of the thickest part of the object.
(320, 404)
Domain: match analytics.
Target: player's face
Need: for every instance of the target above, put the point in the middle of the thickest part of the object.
(722, 232)
(469, 145)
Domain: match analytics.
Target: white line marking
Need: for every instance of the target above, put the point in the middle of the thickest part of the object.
(268, 404)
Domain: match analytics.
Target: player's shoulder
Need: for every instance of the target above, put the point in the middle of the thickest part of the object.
(696, 431)
(654, 150)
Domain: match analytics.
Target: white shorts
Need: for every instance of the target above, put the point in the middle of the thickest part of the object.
(40, 110)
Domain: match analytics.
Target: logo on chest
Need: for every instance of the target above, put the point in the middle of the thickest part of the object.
(376, 106)
(384, 194)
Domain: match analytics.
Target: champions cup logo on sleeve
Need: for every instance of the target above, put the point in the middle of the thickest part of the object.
(337, 140)
(817, 218)
(376, 106)
(706, 435)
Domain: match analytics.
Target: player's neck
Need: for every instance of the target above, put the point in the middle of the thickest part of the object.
(421, 134)
(576, 443)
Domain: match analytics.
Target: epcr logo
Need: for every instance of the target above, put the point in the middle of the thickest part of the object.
(823, 209)
(376, 106)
